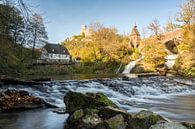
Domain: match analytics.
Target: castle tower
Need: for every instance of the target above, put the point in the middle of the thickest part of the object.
(83, 29)
(135, 37)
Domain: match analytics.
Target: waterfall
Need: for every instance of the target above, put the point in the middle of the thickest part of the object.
(170, 60)
(131, 65)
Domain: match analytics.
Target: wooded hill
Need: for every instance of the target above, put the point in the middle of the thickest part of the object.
(22, 31)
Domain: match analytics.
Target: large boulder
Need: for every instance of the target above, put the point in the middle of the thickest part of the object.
(91, 119)
(12, 100)
(116, 122)
(170, 125)
(83, 119)
(144, 119)
(108, 112)
(75, 101)
(96, 111)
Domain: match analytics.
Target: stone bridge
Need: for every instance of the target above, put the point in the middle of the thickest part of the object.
(172, 40)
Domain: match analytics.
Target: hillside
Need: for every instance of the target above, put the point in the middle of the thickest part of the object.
(104, 49)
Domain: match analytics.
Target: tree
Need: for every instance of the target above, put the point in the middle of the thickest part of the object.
(187, 12)
(38, 33)
(11, 22)
(104, 45)
(144, 32)
(170, 26)
(185, 63)
(154, 27)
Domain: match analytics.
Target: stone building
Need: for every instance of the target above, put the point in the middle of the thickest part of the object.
(135, 38)
(85, 31)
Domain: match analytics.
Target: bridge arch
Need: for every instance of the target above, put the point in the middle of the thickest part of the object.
(171, 46)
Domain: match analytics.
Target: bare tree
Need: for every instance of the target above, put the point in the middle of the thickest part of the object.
(170, 26)
(38, 33)
(144, 32)
(154, 27)
(187, 12)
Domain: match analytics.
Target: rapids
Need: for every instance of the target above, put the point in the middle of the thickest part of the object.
(172, 97)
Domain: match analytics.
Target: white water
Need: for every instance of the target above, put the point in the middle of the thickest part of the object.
(170, 60)
(131, 65)
(171, 97)
(132, 95)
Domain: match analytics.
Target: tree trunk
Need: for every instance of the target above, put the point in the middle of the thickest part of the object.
(34, 44)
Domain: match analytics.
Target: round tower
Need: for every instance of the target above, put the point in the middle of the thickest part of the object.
(83, 30)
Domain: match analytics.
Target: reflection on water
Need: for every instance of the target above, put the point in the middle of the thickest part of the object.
(34, 119)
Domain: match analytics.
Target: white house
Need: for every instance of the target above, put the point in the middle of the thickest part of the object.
(55, 53)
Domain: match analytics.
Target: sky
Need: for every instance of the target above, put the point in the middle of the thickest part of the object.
(64, 18)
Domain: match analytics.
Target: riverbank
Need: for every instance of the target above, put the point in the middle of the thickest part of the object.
(45, 70)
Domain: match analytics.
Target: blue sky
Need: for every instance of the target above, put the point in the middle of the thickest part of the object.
(64, 17)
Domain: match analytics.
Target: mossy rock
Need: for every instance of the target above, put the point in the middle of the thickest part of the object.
(108, 112)
(76, 116)
(91, 117)
(116, 122)
(102, 98)
(75, 101)
(144, 119)
(84, 118)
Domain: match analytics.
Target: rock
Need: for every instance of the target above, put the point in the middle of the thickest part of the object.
(84, 118)
(102, 125)
(116, 122)
(144, 119)
(189, 125)
(102, 98)
(125, 78)
(91, 117)
(76, 116)
(108, 112)
(12, 100)
(139, 68)
(170, 125)
(96, 111)
(75, 101)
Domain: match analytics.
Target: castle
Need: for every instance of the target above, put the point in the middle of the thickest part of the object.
(134, 37)
(85, 31)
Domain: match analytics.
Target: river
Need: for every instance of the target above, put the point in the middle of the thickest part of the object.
(172, 97)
